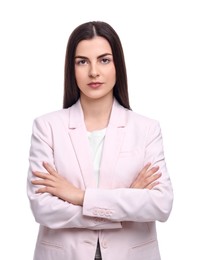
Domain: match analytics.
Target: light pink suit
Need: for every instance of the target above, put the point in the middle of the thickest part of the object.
(122, 218)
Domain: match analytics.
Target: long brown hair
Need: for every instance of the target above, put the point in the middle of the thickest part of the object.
(88, 31)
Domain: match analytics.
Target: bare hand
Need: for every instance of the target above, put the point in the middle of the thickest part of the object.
(58, 186)
(147, 178)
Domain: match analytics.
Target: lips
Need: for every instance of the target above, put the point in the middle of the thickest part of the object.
(95, 84)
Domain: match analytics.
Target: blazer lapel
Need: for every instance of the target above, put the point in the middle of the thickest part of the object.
(111, 149)
(80, 143)
(112, 145)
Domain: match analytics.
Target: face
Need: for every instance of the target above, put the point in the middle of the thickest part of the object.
(94, 69)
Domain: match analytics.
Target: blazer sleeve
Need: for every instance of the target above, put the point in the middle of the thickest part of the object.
(49, 210)
(129, 204)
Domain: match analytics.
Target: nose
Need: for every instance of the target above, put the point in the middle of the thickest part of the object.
(93, 71)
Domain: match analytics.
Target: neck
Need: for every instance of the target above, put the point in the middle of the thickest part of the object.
(96, 112)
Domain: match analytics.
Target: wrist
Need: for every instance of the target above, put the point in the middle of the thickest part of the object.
(82, 193)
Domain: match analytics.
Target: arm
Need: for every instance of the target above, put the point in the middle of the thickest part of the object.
(53, 183)
(136, 204)
(48, 209)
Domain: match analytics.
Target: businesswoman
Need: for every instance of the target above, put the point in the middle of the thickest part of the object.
(97, 181)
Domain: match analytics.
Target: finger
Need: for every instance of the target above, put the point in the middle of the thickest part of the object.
(152, 171)
(145, 174)
(152, 185)
(47, 183)
(43, 175)
(49, 168)
(145, 168)
(144, 183)
(46, 190)
(152, 179)
(144, 177)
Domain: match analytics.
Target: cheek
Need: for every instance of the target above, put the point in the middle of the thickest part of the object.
(79, 75)
(112, 79)
(112, 75)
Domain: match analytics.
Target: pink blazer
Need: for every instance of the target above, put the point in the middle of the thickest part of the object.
(122, 218)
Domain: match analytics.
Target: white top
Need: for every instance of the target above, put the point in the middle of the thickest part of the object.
(96, 140)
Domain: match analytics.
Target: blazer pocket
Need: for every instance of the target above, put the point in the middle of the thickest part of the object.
(48, 250)
(50, 238)
(52, 245)
(149, 250)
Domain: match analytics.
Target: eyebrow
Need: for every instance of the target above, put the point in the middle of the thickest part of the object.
(100, 56)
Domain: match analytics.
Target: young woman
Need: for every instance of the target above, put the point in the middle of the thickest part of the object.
(97, 180)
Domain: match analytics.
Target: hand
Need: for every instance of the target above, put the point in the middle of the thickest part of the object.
(147, 178)
(58, 186)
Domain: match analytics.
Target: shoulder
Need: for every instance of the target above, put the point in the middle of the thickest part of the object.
(141, 119)
(53, 116)
(129, 118)
(65, 117)
(134, 117)
(143, 124)
(50, 122)
(58, 115)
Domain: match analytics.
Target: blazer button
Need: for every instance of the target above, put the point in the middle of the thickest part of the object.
(99, 220)
(108, 213)
(101, 212)
(104, 244)
(95, 212)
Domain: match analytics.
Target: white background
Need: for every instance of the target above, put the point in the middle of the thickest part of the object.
(163, 50)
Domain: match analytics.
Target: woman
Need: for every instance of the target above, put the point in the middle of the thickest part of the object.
(97, 180)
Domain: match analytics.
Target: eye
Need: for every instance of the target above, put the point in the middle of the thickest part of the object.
(81, 61)
(105, 60)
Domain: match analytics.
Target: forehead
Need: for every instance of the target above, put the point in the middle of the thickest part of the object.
(95, 46)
